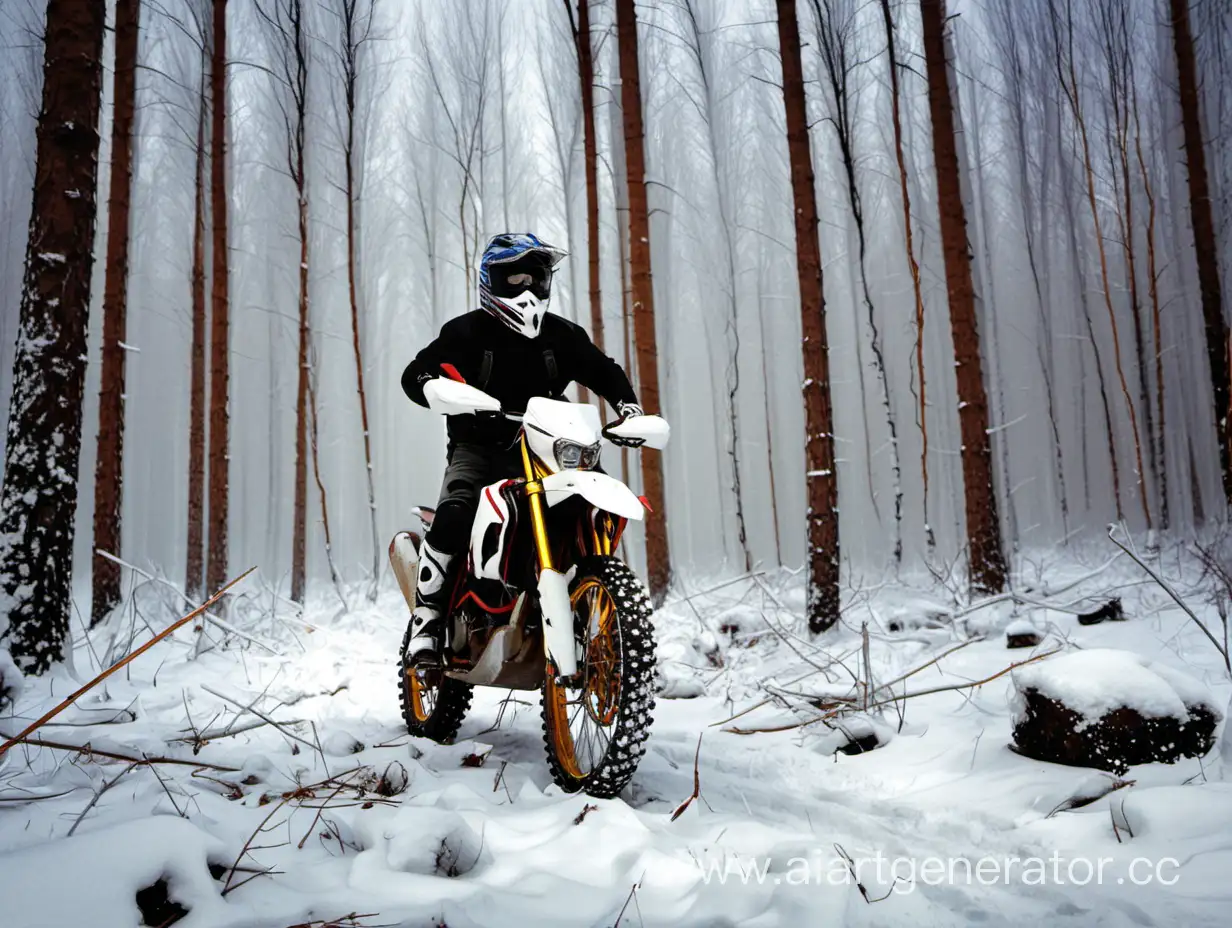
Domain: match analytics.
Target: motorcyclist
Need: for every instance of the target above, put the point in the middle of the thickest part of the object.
(512, 349)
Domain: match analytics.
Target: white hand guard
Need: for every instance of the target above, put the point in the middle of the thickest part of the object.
(637, 430)
(450, 398)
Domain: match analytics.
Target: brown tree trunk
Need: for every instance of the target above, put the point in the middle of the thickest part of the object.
(299, 522)
(194, 571)
(658, 560)
(40, 478)
(220, 321)
(822, 480)
(586, 75)
(109, 465)
(1204, 236)
(983, 527)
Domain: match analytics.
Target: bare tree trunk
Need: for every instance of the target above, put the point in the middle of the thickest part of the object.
(974, 190)
(334, 576)
(988, 571)
(1073, 92)
(586, 75)
(1161, 462)
(194, 571)
(1071, 216)
(698, 42)
(286, 28)
(355, 32)
(220, 321)
(765, 392)
(109, 464)
(1115, 36)
(836, 28)
(912, 265)
(1205, 244)
(299, 520)
(44, 445)
(658, 559)
(1036, 241)
(823, 603)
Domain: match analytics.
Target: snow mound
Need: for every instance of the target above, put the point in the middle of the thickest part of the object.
(418, 839)
(1094, 682)
(107, 868)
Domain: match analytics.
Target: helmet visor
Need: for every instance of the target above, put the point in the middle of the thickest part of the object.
(516, 277)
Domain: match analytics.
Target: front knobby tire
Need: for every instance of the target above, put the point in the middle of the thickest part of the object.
(433, 705)
(595, 727)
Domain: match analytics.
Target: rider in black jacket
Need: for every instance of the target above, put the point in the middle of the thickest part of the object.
(512, 349)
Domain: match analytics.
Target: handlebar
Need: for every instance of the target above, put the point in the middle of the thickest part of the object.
(618, 440)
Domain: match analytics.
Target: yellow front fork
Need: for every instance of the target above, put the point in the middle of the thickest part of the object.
(538, 520)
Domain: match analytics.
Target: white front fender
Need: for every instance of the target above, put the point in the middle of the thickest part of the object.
(600, 490)
(557, 611)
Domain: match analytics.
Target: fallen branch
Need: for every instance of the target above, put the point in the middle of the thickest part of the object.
(200, 740)
(725, 583)
(1167, 588)
(697, 783)
(925, 666)
(263, 717)
(107, 784)
(123, 662)
(951, 688)
(234, 868)
(90, 752)
(766, 702)
(222, 626)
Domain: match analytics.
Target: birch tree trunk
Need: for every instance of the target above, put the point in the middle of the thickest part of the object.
(44, 435)
(658, 559)
(987, 560)
(109, 464)
(822, 607)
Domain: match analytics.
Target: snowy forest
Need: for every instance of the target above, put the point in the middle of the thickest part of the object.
(932, 294)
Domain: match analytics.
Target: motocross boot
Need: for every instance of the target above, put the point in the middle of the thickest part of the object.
(426, 635)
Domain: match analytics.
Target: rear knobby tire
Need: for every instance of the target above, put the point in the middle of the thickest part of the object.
(615, 696)
(433, 705)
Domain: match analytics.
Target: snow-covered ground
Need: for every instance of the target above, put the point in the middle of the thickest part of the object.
(337, 812)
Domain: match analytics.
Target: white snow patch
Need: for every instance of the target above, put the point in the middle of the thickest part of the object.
(93, 879)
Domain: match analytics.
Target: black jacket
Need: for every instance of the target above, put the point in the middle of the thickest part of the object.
(512, 368)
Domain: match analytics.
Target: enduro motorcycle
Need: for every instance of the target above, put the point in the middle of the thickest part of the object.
(543, 601)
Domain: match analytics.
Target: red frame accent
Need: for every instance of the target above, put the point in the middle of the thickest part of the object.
(487, 491)
(645, 502)
(452, 373)
(495, 610)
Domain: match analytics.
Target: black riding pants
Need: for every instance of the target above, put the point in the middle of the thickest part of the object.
(471, 467)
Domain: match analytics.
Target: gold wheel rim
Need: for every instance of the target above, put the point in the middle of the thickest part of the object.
(581, 716)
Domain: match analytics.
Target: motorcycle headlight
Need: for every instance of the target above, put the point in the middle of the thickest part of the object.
(572, 456)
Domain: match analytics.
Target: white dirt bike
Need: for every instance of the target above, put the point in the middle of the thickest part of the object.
(543, 602)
